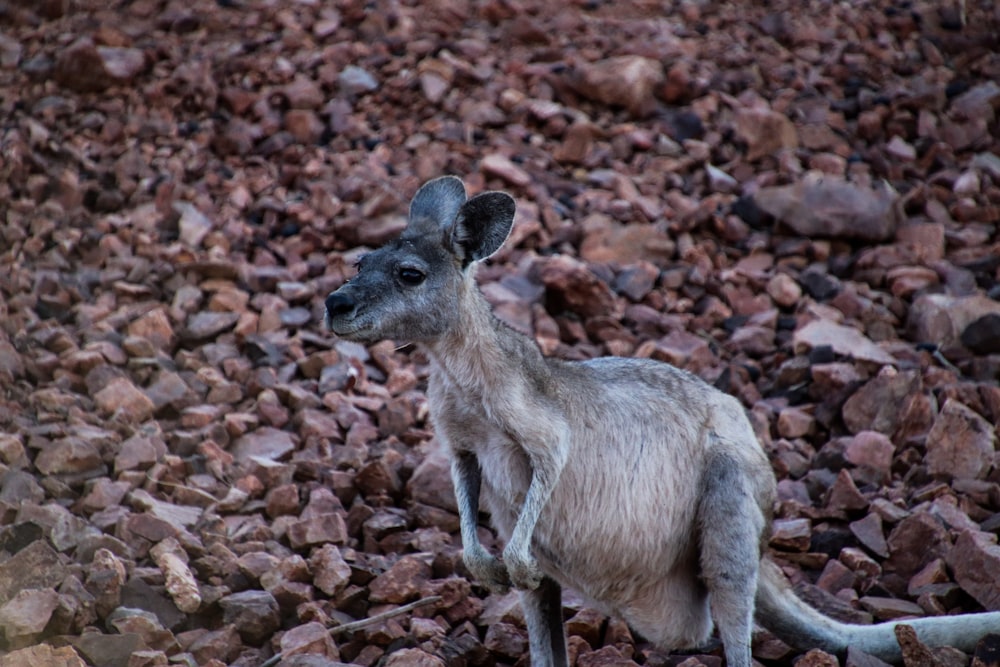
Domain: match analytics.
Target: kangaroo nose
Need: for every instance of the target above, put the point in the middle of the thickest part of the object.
(339, 304)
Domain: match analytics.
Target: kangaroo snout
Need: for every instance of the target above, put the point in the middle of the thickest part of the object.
(339, 306)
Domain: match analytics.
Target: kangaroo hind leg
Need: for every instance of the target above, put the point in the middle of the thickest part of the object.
(543, 616)
(730, 524)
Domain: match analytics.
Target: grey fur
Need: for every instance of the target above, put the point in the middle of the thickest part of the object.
(631, 481)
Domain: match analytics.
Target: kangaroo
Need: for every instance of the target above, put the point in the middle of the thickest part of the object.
(634, 482)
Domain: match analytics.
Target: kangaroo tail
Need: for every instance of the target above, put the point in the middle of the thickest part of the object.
(796, 623)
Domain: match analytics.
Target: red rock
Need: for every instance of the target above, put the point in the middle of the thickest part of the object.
(626, 81)
(870, 449)
(402, 582)
(105, 579)
(611, 656)
(795, 423)
(961, 444)
(975, 559)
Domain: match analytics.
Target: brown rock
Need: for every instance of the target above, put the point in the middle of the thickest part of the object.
(870, 449)
(869, 533)
(328, 528)
(207, 324)
(844, 495)
(611, 656)
(222, 644)
(506, 640)
(331, 573)
(626, 81)
(961, 444)
(876, 405)
(123, 400)
(576, 288)
(35, 566)
(254, 614)
(180, 582)
(817, 658)
(916, 541)
(283, 499)
(502, 167)
(70, 455)
(975, 560)
(829, 206)
(402, 582)
(155, 327)
(791, 534)
(887, 609)
(43, 655)
(941, 318)
(25, 616)
(431, 484)
(312, 638)
(85, 67)
(607, 242)
(765, 132)
(413, 657)
(105, 579)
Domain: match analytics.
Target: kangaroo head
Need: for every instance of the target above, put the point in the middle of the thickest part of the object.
(409, 289)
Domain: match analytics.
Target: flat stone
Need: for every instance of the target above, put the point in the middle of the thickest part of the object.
(263, 443)
(845, 340)
(205, 325)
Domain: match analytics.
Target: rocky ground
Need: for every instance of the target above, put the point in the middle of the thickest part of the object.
(798, 201)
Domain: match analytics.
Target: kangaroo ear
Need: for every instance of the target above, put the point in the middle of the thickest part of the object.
(482, 225)
(438, 201)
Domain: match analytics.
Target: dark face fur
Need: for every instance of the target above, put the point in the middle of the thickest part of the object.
(408, 290)
(403, 291)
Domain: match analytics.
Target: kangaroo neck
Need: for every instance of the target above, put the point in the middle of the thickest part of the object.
(479, 355)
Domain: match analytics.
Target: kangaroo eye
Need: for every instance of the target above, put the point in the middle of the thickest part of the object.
(410, 276)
